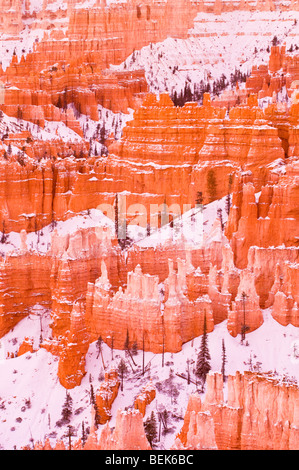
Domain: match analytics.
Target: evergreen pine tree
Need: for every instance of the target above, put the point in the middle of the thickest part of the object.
(122, 369)
(165, 417)
(199, 198)
(212, 185)
(127, 343)
(100, 350)
(84, 434)
(219, 215)
(203, 365)
(70, 434)
(228, 203)
(128, 348)
(103, 134)
(4, 235)
(92, 397)
(97, 418)
(112, 347)
(67, 408)
(224, 361)
(116, 215)
(150, 427)
(134, 350)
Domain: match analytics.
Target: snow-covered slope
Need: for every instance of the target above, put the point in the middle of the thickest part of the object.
(216, 45)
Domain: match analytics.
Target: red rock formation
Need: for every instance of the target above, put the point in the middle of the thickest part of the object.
(71, 367)
(145, 397)
(137, 26)
(245, 312)
(276, 58)
(268, 265)
(82, 84)
(260, 414)
(129, 432)
(62, 299)
(284, 294)
(255, 223)
(282, 71)
(220, 299)
(140, 308)
(106, 394)
(11, 18)
(26, 346)
(23, 283)
(201, 434)
(55, 279)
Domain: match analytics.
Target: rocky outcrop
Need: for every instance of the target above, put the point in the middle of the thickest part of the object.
(268, 265)
(72, 350)
(26, 346)
(106, 394)
(81, 84)
(281, 71)
(284, 294)
(145, 397)
(201, 434)
(129, 432)
(55, 279)
(137, 25)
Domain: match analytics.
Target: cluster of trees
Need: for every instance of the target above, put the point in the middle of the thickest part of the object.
(188, 94)
(237, 77)
(67, 411)
(293, 48)
(153, 428)
(196, 92)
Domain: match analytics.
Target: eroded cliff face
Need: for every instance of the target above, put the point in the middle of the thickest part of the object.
(259, 218)
(199, 151)
(78, 131)
(259, 414)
